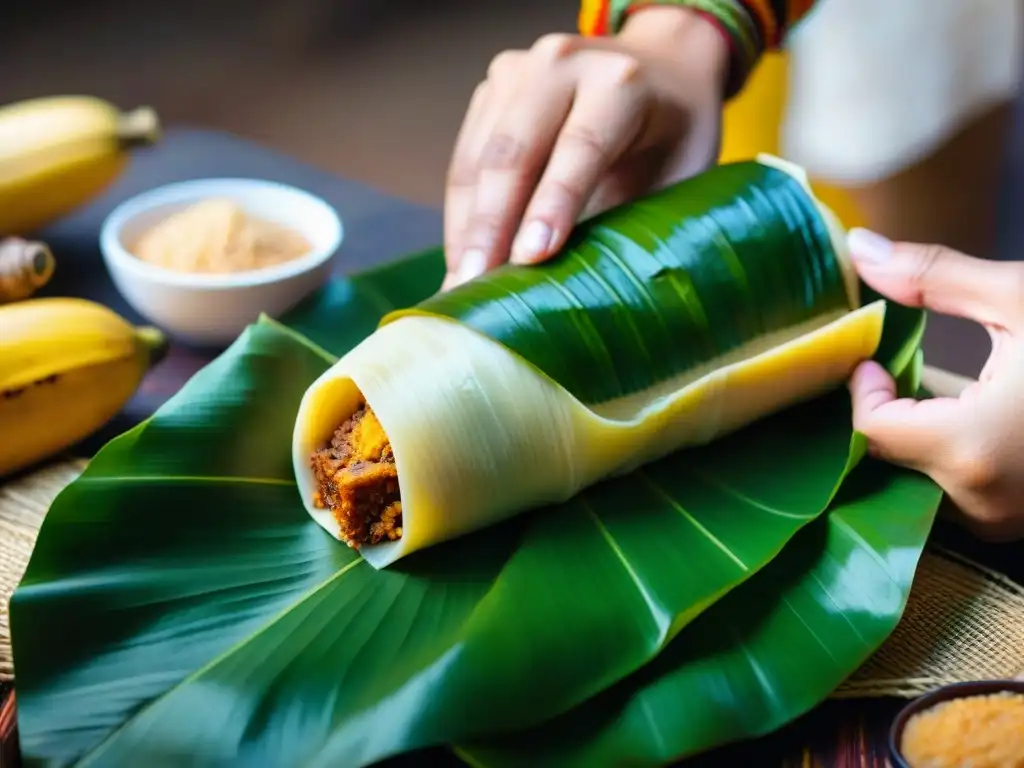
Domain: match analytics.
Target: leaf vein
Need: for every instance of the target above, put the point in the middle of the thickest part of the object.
(104, 745)
(714, 482)
(692, 520)
(661, 620)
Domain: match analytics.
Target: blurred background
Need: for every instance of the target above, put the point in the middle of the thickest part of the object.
(371, 89)
(375, 90)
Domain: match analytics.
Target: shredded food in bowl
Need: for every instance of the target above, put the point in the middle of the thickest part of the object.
(976, 731)
(217, 236)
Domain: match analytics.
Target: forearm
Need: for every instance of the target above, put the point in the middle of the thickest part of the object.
(686, 41)
(750, 26)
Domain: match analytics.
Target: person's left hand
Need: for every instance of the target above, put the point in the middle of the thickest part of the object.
(971, 445)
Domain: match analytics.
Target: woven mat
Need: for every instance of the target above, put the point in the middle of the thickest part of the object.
(962, 621)
(23, 504)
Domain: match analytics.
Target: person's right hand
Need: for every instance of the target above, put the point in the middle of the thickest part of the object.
(971, 445)
(575, 126)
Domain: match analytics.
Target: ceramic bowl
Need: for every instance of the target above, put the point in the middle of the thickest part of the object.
(938, 696)
(213, 309)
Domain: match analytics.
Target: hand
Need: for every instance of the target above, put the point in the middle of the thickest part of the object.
(575, 126)
(972, 445)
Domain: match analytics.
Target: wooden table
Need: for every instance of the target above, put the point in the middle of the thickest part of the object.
(379, 228)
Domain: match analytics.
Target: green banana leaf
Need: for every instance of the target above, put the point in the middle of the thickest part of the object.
(210, 616)
(634, 300)
(180, 604)
(766, 653)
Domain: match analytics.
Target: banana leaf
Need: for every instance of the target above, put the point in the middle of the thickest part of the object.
(181, 606)
(766, 653)
(210, 616)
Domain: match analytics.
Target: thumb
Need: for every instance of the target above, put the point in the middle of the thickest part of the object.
(915, 433)
(939, 278)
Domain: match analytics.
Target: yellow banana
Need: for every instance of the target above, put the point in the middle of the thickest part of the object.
(59, 152)
(67, 366)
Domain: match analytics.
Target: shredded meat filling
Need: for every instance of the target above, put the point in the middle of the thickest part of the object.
(358, 481)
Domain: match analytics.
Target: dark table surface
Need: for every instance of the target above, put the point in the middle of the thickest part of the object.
(380, 228)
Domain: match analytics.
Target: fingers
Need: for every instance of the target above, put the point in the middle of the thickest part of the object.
(476, 140)
(510, 163)
(636, 173)
(606, 115)
(969, 445)
(458, 199)
(939, 278)
(914, 433)
(549, 124)
(501, 153)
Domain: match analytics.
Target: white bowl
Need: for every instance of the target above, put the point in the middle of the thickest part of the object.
(214, 309)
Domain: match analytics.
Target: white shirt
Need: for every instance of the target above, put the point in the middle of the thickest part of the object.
(875, 85)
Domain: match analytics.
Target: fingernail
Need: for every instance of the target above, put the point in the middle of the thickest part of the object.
(868, 246)
(473, 264)
(532, 243)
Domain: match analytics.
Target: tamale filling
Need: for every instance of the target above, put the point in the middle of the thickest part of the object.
(357, 480)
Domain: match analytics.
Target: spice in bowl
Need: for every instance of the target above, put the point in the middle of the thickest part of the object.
(983, 731)
(217, 237)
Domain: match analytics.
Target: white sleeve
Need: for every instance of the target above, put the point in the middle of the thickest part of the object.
(875, 85)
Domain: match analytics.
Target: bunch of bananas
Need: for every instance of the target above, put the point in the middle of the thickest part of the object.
(67, 366)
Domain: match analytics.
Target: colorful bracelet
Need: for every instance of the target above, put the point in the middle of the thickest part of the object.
(746, 35)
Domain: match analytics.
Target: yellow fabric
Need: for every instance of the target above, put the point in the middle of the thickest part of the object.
(752, 124)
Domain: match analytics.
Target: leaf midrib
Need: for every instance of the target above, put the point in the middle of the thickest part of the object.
(100, 748)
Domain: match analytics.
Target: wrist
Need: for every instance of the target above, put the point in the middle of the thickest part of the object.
(687, 38)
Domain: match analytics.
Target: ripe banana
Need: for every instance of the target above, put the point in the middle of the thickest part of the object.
(67, 366)
(59, 152)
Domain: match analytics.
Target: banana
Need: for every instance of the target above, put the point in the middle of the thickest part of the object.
(59, 152)
(67, 366)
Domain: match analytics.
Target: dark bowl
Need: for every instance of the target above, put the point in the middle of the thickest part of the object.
(939, 695)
